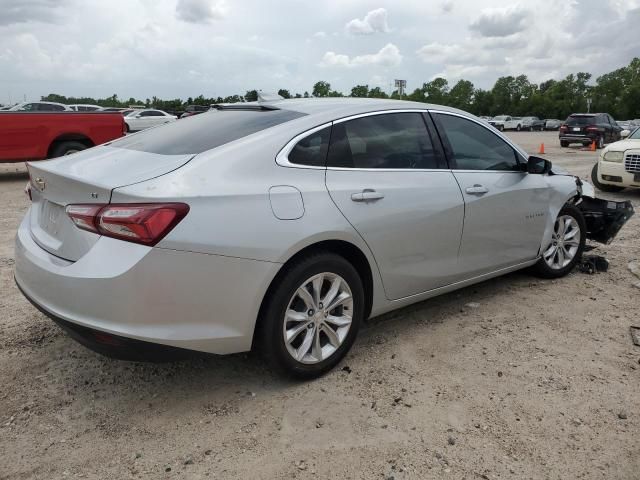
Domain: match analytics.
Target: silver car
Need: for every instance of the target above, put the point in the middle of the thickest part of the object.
(283, 226)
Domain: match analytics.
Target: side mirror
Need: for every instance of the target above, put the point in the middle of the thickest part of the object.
(539, 166)
(624, 133)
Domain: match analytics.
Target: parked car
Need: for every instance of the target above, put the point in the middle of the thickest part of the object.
(618, 166)
(84, 108)
(505, 122)
(552, 124)
(532, 123)
(137, 120)
(41, 135)
(204, 242)
(586, 128)
(40, 107)
(191, 110)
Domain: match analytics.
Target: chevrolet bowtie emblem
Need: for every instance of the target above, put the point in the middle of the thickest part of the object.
(39, 184)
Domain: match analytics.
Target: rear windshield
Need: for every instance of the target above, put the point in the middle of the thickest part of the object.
(200, 133)
(582, 120)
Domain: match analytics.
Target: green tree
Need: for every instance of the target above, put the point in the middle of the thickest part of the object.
(377, 92)
(251, 96)
(461, 95)
(360, 91)
(321, 89)
(284, 93)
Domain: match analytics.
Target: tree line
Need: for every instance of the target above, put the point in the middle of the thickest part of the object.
(617, 93)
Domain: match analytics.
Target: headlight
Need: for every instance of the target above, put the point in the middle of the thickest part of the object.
(613, 157)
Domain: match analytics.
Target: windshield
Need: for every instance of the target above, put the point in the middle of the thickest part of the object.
(581, 120)
(635, 135)
(204, 132)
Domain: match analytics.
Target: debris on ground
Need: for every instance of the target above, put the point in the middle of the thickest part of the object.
(635, 335)
(591, 264)
(634, 267)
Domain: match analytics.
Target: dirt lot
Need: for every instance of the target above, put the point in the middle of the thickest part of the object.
(512, 378)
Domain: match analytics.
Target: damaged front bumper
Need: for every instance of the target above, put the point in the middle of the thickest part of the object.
(604, 218)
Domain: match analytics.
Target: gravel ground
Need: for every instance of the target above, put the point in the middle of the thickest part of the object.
(512, 378)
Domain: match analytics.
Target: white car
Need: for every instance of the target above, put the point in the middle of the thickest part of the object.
(84, 107)
(619, 165)
(141, 119)
(40, 107)
(505, 122)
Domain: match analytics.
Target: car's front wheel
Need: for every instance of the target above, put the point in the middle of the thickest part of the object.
(566, 245)
(312, 316)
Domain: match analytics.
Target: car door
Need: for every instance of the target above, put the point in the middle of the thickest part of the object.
(389, 179)
(505, 207)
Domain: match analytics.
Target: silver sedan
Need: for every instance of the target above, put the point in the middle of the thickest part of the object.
(283, 226)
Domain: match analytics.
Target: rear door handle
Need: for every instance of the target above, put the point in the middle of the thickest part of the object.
(367, 195)
(477, 189)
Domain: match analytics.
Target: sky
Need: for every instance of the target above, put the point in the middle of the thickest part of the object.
(182, 48)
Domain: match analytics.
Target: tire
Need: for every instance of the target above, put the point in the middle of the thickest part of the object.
(501, 128)
(67, 148)
(564, 144)
(518, 128)
(127, 128)
(309, 320)
(550, 264)
(602, 186)
(531, 129)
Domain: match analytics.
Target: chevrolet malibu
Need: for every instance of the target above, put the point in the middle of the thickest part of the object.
(283, 226)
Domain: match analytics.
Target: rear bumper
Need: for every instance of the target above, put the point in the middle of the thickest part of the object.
(617, 171)
(579, 138)
(193, 301)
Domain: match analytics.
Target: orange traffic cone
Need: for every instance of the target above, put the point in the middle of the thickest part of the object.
(541, 151)
(593, 146)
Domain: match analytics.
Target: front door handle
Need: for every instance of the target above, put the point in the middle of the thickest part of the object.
(477, 189)
(367, 195)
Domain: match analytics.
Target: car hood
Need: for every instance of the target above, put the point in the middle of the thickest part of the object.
(623, 145)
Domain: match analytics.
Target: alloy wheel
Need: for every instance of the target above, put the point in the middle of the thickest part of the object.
(565, 242)
(318, 318)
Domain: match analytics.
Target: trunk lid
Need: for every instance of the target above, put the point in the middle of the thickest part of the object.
(85, 177)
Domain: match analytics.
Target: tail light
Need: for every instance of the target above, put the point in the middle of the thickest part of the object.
(144, 223)
(563, 128)
(592, 128)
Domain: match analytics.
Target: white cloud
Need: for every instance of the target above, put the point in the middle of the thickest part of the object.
(501, 22)
(320, 34)
(447, 6)
(23, 11)
(373, 22)
(387, 56)
(200, 11)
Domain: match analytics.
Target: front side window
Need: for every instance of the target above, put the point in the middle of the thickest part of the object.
(392, 140)
(474, 147)
(311, 150)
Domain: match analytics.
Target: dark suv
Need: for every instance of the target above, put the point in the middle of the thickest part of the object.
(587, 128)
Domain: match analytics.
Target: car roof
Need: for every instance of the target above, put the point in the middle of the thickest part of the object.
(337, 107)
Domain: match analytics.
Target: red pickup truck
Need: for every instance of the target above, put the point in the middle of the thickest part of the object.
(28, 136)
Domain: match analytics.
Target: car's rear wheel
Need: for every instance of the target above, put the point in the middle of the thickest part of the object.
(566, 245)
(518, 128)
(312, 316)
(67, 148)
(602, 186)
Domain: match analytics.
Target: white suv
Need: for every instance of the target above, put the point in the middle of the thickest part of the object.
(619, 165)
(505, 122)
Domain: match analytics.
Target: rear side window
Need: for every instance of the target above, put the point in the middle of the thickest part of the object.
(474, 147)
(204, 132)
(392, 140)
(311, 150)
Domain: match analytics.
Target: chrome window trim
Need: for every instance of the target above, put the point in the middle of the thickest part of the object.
(492, 130)
(282, 158)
